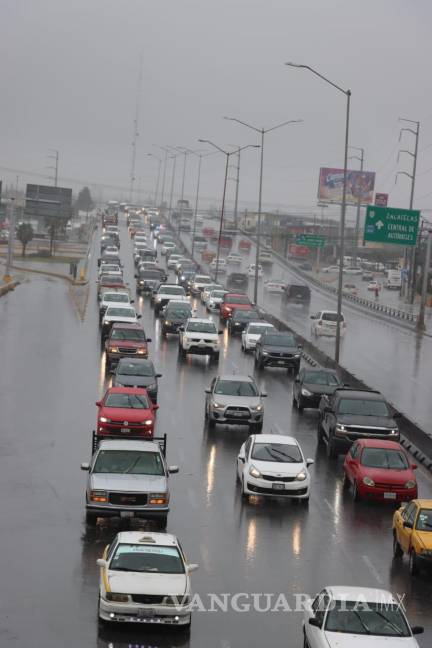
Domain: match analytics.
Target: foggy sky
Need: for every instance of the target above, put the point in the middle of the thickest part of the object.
(69, 72)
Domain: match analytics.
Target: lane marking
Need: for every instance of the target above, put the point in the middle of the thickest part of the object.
(205, 557)
(329, 505)
(372, 569)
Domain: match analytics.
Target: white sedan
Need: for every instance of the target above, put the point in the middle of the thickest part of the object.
(252, 333)
(273, 465)
(220, 264)
(205, 293)
(251, 270)
(234, 259)
(144, 578)
(274, 285)
(344, 617)
(373, 285)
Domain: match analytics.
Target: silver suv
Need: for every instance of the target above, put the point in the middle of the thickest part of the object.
(128, 479)
(235, 400)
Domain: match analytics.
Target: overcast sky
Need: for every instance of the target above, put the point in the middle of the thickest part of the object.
(69, 73)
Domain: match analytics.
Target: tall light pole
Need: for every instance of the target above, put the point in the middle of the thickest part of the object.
(227, 154)
(357, 225)
(425, 283)
(347, 94)
(200, 157)
(412, 176)
(158, 175)
(55, 157)
(166, 151)
(174, 158)
(262, 132)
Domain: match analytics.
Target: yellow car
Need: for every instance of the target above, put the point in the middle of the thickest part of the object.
(412, 534)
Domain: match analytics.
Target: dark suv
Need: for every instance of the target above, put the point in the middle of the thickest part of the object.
(278, 349)
(350, 414)
(297, 293)
(240, 319)
(175, 315)
(237, 280)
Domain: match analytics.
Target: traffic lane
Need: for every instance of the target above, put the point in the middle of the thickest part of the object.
(386, 356)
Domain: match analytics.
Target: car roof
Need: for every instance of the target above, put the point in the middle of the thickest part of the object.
(128, 444)
(144, 537)
(364, 594)
(236, 294)
(167, 285)
(202, 320)
(333, 372)
(126, 325)
(260, 323)
(424, 503)
(233, 377)
(379, 443)
(275, 438)
(127, 390)
(359, 393)
(136, 361)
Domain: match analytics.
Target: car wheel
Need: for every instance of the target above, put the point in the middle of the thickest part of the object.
(215, 356)
(91, 519)
(162, 522)
(300, 405)
(211, 423)
(320, 432)
(256, 428)
(304, 501)
(331, 448)
(355, 492)
(244, 495)
(345, 481)
(397, 549)
(413, 564)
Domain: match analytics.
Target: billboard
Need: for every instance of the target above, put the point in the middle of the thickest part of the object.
(360, 184)
(381, 199)
(44, 201)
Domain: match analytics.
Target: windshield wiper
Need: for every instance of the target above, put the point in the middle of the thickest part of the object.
(132, 466)
(123, 569)
(392, 625)
(361, 621)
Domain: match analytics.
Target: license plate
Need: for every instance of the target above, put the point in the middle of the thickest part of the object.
(126, 514)
(278, 486)
(146, 613)
(390, 496)
(281, 362)
(124, 430)
(238, 414)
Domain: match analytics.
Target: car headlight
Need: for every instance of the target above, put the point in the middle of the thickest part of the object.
(147, 422)
(141, 283)
(394, 431)
(98, 496)
(141, 351)
(176, 600)
(254, 472)
(410, 484)
(297, 355)
(117, 598)
(340, 428)
(218, 405)
(257, 408)
(306, 392)
(105, 322)
(105, 420)
(113, 349)
(368, 481)
(158, 499)
(265, 352)
(167, 323)
(301, 476)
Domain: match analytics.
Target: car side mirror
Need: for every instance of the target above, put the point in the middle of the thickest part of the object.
(297, 379)
(313, 316)
(314, 622)
(328, 409)
(207, 391)
(408, 525)
(173, 469)
(192, 567)
(148, 339)
(100, 562)
(397, 415)
(136, 276)
(417, 630)
(220, 332)
(158, 375)
(98, 403)
(414, 466)
(309, 462)
(132, 301)
(181, 328)
(85, 466)
(155, 407)
(264, 394)
(241, 458)
(300, 347)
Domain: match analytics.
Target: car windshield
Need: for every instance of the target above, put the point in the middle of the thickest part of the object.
(258, 330)
(178, 311)
(171, 290)
(126, 401)
(116, 297)
(120, 312)
(359, 617)
(240, 299)
(134, 335)
(144, 558)
(235, 388)
(201, 327)
(112, 279)
(245, 315)
(320, 378)
(384, 458)
(277, 452)
(150, 274)
(363, 407)
(140, 368)
(331, 317)
(217, 294)
(280, 340)
(424, 520)
(132, 462)
(203, 279)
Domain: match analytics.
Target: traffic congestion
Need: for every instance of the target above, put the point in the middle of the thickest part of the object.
(129, 480)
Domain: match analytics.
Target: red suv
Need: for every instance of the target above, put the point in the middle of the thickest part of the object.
(125, 340)
(231, 301)
(126, 411)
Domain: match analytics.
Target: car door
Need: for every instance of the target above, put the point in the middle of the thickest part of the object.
(352, 464)
(298, 383)
(242, 459)
(404, 533)
(315, 635)
(210, 396)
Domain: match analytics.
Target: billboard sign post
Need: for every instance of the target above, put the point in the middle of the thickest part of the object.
(391, 225)
(360, 186)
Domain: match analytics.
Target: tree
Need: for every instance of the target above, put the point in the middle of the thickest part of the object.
(54, 224)
(24, 235)
(84, 201)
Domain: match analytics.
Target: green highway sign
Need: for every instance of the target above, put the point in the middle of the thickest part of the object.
(391, 225)
(311, 240)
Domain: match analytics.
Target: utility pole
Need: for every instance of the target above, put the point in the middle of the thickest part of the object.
(412, 176)
(172, 157)
(9, 259)
(357, 225)
(196, 204)
(158, 176)
(135, 129)
(421, 318)
(55, 157)
(237, 190)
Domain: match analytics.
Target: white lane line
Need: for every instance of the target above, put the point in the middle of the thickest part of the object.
(372, 569)
(205, 557)
(329, 505)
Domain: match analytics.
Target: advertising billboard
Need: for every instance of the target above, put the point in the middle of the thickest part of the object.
(360, 184)
(381, 199)
(45, 201)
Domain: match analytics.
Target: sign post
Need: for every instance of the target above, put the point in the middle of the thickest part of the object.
(391, 225)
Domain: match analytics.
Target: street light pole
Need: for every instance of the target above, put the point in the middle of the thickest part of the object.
(262, 132)
(347, 94)
(357, 225)
(55, 157)
(196, 204)
(166, 150)
(425, 283)
(172, 157)
(227, 154)
(237, 192)
(158, 175)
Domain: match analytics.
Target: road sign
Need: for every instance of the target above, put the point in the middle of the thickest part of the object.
(46, 201)
(311, 240)
(391, 225)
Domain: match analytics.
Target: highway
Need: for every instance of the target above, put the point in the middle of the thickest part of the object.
(385, 355)
(51, 374)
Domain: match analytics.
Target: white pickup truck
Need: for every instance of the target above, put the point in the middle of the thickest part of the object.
(165, 293)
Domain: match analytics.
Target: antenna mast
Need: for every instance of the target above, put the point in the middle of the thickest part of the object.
(135, 129)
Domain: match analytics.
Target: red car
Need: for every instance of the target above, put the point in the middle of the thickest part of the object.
(244, 244)
(231, 301)
(125, 340)
(126, 411)
(380, 470)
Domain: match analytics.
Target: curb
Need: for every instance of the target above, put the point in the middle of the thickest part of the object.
(8, 287)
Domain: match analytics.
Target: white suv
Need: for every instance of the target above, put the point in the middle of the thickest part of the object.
(324, 323)
(199, 336)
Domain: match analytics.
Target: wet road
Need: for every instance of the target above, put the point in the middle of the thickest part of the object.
(51, 374)
(386, 356)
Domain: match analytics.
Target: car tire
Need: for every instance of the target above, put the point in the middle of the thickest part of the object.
(320, 432)
(243, 494)
(256, 428)
(215, 356)
(300, 405)
(413, 564)
(91, 519)
(355, 492)
(397, 549)
(162, 522)
(211, 423)
(331, 448)
(345, 481)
